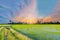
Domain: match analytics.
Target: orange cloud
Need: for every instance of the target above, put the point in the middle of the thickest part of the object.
(47, 19)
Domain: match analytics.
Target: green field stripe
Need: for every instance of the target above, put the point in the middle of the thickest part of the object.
(19, 35)
(5, 34)
(1, 29)
(11, 36)
(2, 34)
(31, 34)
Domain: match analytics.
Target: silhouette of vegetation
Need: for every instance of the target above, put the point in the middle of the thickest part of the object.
(38, 22)
(11, 22)
(50, 23)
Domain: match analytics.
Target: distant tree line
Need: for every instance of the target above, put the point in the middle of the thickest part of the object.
(38, 22)
(48, 22)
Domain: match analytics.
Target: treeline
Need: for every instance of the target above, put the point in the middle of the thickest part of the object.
(16, 23)
(48, 23)
(38, 22)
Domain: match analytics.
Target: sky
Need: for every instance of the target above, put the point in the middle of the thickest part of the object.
(10, 8)
(45, 7)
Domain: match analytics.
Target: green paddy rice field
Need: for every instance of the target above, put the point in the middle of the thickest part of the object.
(30, 32)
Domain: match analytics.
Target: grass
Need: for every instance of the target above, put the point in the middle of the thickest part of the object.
(35, 31)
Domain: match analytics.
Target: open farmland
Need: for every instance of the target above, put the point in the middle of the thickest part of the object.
(30, 32)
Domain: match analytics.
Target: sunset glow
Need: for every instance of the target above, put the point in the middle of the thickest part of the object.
(28, 14)
(29, 11)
